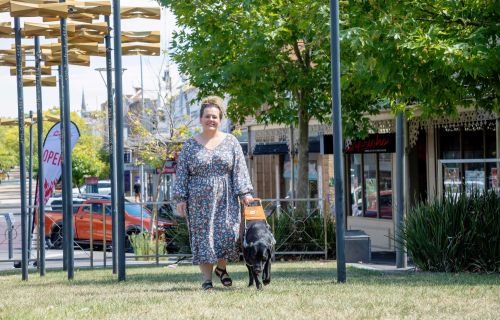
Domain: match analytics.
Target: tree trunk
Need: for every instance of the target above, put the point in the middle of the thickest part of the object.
(156, 194)
(303, 165)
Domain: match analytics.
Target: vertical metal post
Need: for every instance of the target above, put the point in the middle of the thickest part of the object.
(120, 204)
(30, 185)
(400, 248)
(61, 107)
(338, 164)
(112, 146)
(41, 178)
(22, 152)
(67, 169)
(142, 197)
(292, 164)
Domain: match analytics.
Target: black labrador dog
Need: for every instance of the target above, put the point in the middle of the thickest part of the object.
(258, 246)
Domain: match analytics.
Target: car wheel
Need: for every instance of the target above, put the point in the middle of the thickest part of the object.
(128, 244)
(56, 237)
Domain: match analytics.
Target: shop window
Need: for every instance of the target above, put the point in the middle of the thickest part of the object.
(370, 182)
(468, 142)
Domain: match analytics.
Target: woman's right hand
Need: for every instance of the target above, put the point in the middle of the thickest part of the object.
(181, 209)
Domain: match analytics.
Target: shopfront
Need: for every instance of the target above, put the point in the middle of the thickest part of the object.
(369, 193)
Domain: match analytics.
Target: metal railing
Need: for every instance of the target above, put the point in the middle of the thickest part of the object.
(300, 227)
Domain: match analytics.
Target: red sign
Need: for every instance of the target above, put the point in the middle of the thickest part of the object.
(91, 180)
(374, 143)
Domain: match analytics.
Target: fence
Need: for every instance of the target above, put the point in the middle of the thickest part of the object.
(300, 227)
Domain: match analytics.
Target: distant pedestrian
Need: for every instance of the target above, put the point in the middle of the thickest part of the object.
(137, 191)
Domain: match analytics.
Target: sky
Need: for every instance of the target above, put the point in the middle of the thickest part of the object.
(87, 79)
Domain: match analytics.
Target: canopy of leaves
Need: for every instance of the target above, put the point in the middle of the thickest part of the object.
(259, 52)
(433, 55)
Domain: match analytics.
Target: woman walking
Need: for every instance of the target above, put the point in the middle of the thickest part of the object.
(211, 180)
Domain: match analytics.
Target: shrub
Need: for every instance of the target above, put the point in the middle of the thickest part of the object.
(298, 233)
(460, 233)
(144, 245)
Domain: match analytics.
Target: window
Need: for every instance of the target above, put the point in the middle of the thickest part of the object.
(370, 179)
(468, 142)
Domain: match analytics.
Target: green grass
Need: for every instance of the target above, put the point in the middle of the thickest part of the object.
(299, 290)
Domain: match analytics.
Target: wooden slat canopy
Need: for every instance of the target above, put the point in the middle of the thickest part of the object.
(30, 70)
(49, 81)
(141, 36)
(140, 12)
(141, 49)
(26, 9)
(47, 30)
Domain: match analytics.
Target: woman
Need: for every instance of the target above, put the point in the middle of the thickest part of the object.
(211, 176)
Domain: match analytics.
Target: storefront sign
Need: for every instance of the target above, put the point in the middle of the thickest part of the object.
(374, 143)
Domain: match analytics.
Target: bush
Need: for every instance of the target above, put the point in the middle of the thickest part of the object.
(460, 233)
(144, 245)
(178, 237)
(294, 234)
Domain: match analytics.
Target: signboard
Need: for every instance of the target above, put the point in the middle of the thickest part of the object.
(374, 143)
(52, 157)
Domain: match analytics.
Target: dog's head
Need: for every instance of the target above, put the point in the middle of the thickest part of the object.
(256, 254)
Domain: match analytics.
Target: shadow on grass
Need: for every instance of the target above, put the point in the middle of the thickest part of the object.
(307, 274)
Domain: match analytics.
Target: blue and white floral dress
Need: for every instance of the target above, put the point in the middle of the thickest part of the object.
(210, 181)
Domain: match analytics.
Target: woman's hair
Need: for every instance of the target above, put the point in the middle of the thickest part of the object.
(212, 102)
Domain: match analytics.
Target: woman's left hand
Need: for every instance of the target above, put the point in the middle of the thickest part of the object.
(247, 200)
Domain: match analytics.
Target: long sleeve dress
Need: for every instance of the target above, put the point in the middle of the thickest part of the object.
(210, 182)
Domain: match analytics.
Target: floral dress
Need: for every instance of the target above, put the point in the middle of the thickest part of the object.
(210, 182)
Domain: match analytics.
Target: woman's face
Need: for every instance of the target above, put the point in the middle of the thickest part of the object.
(210, 121)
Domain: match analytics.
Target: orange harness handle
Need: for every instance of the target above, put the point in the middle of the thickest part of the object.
(254, 211)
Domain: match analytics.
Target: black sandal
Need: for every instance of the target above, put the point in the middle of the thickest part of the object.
(225, 279)
(207, 285)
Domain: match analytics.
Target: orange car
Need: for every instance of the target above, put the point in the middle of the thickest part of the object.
(99, 211)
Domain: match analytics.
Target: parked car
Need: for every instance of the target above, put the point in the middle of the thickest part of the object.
(103, 188)
(99, 212)
(55, 204)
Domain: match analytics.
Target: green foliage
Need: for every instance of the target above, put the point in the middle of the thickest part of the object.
(178, 237)
(303, 234)
(456, 234)
(433, 55)
(85, 156)
(144, 245)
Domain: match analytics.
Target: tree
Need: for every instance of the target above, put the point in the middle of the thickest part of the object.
(152, 146)
(271, 57)
(434, 56)
(85, 157)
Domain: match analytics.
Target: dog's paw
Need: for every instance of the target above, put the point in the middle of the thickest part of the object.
(259, 286)
(266, 281)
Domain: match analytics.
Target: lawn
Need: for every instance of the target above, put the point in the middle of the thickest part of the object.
(299, 290)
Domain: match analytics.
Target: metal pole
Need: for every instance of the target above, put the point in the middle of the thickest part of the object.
(41, 179)
(292, 164)
(400, 248)
(22, 152)
(142, 196)
(338, 165)
(61, 107)
(30, 184)
(111, 139)
(119, 140)
(67, 170)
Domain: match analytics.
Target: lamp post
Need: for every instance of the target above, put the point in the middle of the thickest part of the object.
(337, 139)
